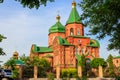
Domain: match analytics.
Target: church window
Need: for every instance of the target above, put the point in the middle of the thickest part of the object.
(82, 50)
(76, 50)
(71, 31)
(78, 32)
(116, 61)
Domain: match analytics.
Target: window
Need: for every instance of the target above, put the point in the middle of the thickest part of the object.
(116, 61)
(76, 50)
(71, 31)
(82, 50)
(78, 32)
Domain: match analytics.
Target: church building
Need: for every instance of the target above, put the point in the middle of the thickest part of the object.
(67, 41)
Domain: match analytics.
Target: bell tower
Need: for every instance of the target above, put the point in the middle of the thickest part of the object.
(74, 26)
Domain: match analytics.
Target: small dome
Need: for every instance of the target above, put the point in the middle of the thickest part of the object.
(15, 53)
(57, 27)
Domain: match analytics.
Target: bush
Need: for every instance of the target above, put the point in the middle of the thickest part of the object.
(117, 78)
(50, 76)
(69, 73)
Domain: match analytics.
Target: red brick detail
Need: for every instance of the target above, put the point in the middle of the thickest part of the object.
(77, 29)
(52, 36)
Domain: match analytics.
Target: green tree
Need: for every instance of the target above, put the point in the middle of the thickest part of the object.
(96, 62)
(41, 66)
(32, 3)
(1, 50)
(27, 67)
(110, 62)
(12, 63)
(110, 69)
(103, 17)
(82, 62)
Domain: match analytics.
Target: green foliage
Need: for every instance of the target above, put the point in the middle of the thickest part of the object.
(82, 63)
(98, 62)
(11, 63)
(82, 78)
(42, 64)
(50, 76)
(117, 78)
(110, 70)
(1, 38)
(28, 71)
(33, 3)
(1, 1)
(104, 19)
(110, 62)
(28, 68)
(69, 73)
(15, 73)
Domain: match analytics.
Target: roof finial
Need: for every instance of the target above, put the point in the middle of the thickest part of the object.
(58, 17)
(73, 4)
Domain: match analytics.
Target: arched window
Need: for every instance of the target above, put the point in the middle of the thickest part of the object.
(71, 31)
(82, 50)
(76, 50)
(78, 32)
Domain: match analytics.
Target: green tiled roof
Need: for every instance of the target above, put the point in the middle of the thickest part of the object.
(19, 62)
(74, 16)
(116, 57)
(42, 49)
(63, 41)
(94, 43)
(58, 27)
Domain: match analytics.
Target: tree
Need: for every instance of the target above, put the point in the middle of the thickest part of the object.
(41, 66)
(12, 63)
(104, 19)
(27, 67)
(32, 3)
(96, 62)
(82, 63)
(1, 50)
(110, 69)
(110, 62)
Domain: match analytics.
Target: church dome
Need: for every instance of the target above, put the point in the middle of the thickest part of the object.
(15, 53)
(57, 27)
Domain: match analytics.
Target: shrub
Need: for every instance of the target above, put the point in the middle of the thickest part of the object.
(50, 76)
(69, 73)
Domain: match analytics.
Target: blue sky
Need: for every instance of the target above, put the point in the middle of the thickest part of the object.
(24, 27)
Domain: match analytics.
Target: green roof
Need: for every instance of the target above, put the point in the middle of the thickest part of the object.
(94, 43)
(19, 62)
(116, 57)
(42, 49)
(63, 41)
(74, 16)
(58, 27)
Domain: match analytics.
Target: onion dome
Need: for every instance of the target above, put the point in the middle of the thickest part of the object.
(15, 54)
(57, 27)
